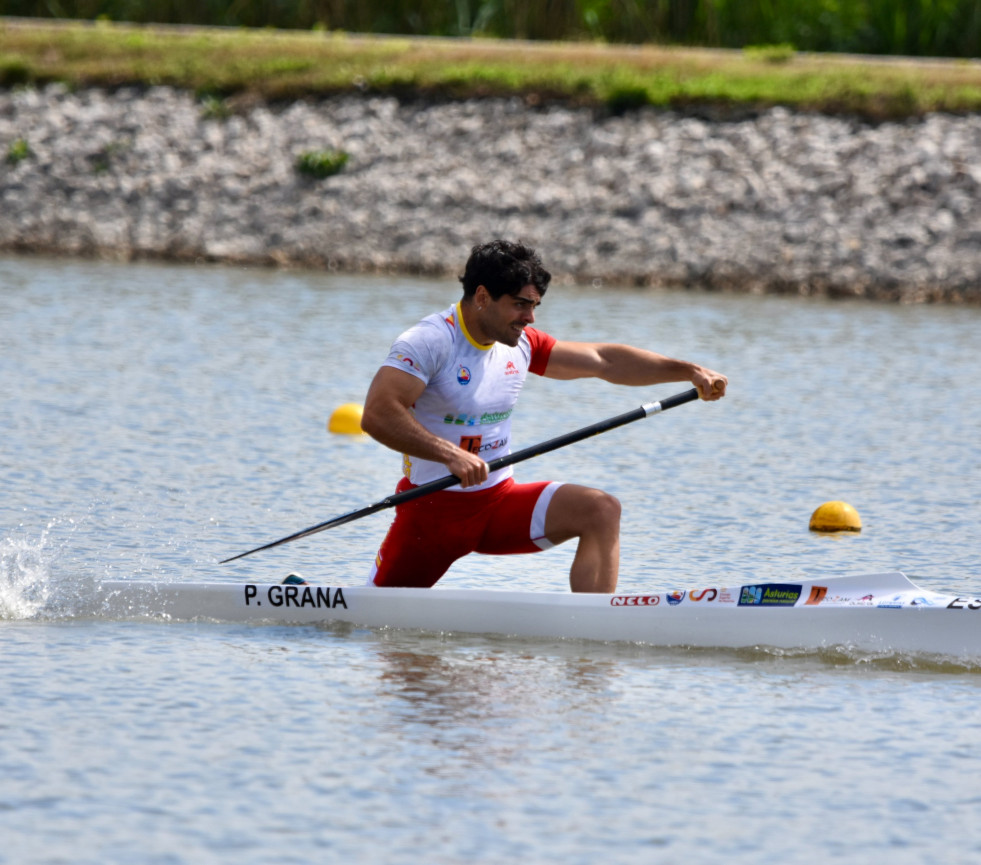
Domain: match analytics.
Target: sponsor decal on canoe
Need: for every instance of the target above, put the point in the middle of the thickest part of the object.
(849, 601)
(673, 598)
(906, 599)
(770, 595)
(318, 597)
(635, 600)
(897, 602)
(817, 595)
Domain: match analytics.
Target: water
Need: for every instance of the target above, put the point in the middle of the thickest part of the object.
(157, 419)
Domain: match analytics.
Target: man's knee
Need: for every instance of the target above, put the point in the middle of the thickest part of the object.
(576, 511)
(604, 510)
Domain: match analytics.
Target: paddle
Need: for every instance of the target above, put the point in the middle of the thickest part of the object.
(518, 456)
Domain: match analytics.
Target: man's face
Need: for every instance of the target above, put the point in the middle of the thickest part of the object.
(504, 319)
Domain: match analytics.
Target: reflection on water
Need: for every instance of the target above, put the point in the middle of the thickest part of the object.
(479, 686)
(452, 699)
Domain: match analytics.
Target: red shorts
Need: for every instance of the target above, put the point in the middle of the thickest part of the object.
(428, 534)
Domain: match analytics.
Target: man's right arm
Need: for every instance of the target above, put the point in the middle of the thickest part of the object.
(388, 418)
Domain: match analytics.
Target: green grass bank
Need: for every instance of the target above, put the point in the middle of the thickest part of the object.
(922, 28)
(288, 65)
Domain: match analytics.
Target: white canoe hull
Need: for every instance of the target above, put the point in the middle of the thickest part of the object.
(870, 612)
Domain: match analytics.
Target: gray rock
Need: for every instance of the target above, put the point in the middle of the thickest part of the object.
(781, 202)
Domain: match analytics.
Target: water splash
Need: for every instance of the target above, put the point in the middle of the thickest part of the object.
(25, 576)
(29, 587)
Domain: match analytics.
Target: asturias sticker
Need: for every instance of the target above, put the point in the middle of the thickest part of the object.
(769, 595)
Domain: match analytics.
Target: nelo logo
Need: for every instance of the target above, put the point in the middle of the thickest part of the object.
(635, 600)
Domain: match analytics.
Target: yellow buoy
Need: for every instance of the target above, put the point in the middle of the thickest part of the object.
(346, 419)
(836, 517)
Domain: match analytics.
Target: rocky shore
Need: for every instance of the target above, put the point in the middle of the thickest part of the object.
(769, 202)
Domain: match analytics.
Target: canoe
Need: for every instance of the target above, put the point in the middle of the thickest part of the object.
(880, 612)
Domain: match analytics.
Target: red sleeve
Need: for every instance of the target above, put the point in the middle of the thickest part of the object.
(541, 347)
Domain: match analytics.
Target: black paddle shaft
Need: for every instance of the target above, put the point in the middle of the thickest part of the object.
(499, 463)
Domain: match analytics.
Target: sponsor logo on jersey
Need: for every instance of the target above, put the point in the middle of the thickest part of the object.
(404, 358)
(471, 443)
(494, 445)
(461, 419)
(511, 369)
(463, 375)
(477, 445)
(488, 417)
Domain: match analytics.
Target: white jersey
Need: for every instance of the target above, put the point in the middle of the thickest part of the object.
(471, 389)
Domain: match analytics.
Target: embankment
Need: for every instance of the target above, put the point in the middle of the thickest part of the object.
(771, 202)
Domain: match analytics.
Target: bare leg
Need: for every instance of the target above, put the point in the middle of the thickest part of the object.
(594, 517)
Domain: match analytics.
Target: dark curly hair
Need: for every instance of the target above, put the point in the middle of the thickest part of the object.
(504, 267)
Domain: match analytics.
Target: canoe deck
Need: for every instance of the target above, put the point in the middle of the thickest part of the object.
(869, 612)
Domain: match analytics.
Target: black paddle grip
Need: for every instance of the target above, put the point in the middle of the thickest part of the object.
(678, 399)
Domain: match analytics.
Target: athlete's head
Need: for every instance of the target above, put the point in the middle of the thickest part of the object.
(503, 267)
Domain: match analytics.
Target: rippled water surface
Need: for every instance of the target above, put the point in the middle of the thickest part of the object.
(158, 419)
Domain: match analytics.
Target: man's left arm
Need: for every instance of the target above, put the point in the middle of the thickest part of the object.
(624, 364)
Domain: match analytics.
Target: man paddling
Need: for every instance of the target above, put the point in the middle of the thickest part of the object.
(444, 396)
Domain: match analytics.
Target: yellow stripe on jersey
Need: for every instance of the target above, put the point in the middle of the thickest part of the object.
(466, 333)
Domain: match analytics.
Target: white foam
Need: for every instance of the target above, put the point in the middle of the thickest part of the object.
(25, 581)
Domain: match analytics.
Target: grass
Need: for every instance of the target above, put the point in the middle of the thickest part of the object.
(321, 163)
(278, 65)
(18, 151)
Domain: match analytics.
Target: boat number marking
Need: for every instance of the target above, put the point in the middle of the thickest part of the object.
(296, 596)
(965, 604)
